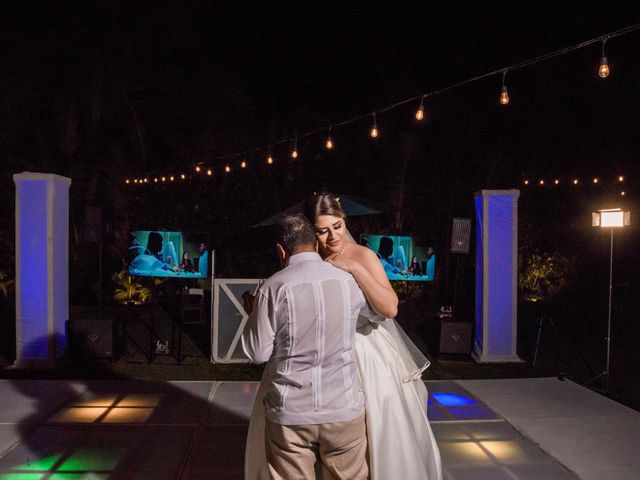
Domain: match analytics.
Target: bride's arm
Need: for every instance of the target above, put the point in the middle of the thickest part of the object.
(372, 279)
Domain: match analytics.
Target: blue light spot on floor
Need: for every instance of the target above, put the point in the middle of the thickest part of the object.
(453, 400)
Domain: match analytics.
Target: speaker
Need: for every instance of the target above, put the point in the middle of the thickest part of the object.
(94, 337)
(454, 336)
(460, 235)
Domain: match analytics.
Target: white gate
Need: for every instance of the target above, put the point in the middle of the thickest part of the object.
(229, 318)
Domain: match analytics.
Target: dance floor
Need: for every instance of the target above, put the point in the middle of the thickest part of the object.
(521, 429)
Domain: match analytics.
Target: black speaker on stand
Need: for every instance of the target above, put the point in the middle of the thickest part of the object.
(454, 336)
(460, 245)
(95, 337)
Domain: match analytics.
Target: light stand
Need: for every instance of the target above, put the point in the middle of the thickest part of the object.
(611, 219)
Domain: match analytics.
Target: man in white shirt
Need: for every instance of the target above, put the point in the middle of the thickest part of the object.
(303, 323)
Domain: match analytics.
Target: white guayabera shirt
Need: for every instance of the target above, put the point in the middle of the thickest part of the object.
(303, 323)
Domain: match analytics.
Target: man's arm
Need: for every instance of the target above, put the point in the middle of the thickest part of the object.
(258, 335)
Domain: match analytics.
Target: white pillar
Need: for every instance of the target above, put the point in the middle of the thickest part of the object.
(42, 268)
(496, 329)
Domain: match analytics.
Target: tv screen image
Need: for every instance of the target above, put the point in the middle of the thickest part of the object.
(402, 258)
(156, 253)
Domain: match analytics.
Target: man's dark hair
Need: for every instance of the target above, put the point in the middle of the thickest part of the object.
(295, 232)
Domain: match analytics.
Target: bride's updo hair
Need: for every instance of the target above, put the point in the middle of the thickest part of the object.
(323, 203)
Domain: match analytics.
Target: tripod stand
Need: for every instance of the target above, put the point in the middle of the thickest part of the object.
(606, 373)
(541, 319)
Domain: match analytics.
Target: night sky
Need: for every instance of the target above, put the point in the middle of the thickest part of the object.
(107, 90)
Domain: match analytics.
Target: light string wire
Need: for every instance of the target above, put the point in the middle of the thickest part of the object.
(500, 71)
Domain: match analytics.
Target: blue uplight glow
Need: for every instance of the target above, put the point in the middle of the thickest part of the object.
(453, 400)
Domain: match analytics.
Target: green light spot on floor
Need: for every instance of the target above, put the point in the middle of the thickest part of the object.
(21, 476)
(36, 465)
(92, 459)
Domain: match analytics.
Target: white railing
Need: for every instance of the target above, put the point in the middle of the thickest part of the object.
(229, 318)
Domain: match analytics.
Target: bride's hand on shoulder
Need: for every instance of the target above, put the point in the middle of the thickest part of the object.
(342, 262)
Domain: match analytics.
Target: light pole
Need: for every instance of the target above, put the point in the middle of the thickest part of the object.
(611, 219)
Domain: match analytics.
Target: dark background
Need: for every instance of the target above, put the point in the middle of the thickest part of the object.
(101, 91)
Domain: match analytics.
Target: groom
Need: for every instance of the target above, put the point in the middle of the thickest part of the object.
(303, 324)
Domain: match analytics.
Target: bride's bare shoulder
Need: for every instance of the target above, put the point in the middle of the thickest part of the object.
(363, 254)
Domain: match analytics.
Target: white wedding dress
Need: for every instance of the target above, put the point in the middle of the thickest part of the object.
(400, 441)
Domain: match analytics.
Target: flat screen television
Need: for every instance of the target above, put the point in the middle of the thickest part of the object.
(402, 257)
(157, 253)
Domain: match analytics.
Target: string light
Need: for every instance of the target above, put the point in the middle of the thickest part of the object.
(595, 180)
(155, 180)
(227, 168)
(420, 111)
(146, 180)
(622, 193)
(504, 94)
(171, 178)
(621, 178)
(294, 153)
(164, 179)
(556, 181)
(270, 160)
(209, 172)
(603, 69)
(243, 164)
(374, 128)
(526, 182)
(135, 180)
(575, 181)
(127, 181)
(329, 142)
(541, 182)
(183, 176)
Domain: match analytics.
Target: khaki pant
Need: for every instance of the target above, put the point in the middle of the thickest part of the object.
(342, 447)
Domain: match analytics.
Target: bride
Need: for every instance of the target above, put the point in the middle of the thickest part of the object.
(400, 440)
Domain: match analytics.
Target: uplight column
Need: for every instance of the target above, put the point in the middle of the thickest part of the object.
(496, 327)
(42, 268)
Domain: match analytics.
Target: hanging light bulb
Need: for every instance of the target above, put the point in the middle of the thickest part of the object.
(556, 181)
(270, 160)
(595, 180)
(526, 182)
(603, 69)
(164, 179)
(575, 181)
(504, 93)
(171, 178)
(294, 152)
(198, 168)
(135, 180)
(622, 193)
(621, 178)
(227, 168)
(155, 180)
(182, 176)
(374, 128)
(420, 111)
(146, 180)
(243, 164)
(209, 172)
(329, 142)
(541, 182)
